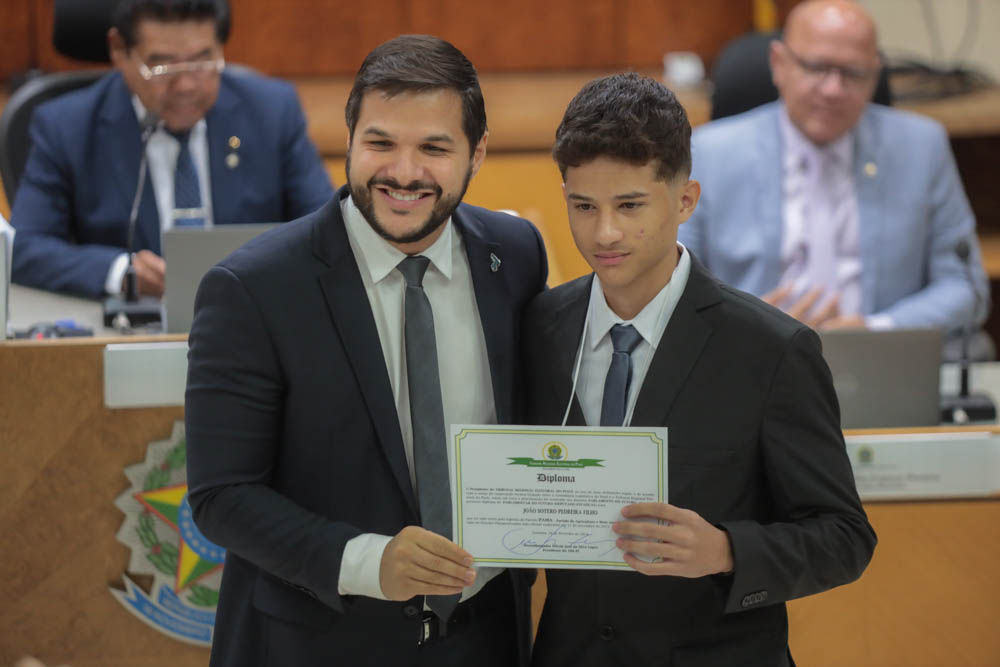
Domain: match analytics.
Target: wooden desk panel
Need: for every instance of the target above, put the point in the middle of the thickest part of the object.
(64, 457)
(929, 598)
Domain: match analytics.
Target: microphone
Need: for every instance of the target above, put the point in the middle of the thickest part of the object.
(123, 314)
(966, 407)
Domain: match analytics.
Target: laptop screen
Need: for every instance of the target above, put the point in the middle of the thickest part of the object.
(885, 379)
(189, 254)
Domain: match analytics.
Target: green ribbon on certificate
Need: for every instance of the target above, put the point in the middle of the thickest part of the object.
(539, 463)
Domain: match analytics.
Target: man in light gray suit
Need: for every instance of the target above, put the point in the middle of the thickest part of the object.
(839, 211)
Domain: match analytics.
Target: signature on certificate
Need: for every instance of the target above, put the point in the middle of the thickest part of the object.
(529, 541)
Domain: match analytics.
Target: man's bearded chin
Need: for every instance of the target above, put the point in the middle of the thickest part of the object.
(442, 210)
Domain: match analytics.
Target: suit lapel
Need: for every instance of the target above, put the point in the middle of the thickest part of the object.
(228, 187)
(680, 346)
(770, 195)
(869, 187)
(494, 303)
(564, 330)
(120, 139)
(352, 316)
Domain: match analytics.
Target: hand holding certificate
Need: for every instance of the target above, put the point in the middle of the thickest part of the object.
(548, 497)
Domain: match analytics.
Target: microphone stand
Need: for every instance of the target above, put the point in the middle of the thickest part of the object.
(133, 310)
(967, 407)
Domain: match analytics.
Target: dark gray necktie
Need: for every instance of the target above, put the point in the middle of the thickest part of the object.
(188, 211)
(624, 337)
(430, 458)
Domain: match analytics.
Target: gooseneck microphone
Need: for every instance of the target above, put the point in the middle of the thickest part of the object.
(149, 124)
(967, 407)
(123, 314)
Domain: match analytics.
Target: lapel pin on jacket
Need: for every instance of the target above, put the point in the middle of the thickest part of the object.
(871, 169)
(232, 159)
(494, 263)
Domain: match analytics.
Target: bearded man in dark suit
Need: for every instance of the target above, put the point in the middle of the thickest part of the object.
(327, 358)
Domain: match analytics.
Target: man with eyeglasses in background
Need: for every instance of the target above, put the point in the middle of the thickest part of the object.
(224, 148)
(841, 212)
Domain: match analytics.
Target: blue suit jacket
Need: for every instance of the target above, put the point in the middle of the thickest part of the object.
(913, 211)
(72, 206)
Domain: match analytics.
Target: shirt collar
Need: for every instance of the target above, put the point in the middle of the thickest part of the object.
(799, 150)
(381, 257)
(197, 131)
(651, 320)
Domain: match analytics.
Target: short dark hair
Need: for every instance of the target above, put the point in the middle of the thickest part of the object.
(128, 14)
(626, 117)
(420, 63)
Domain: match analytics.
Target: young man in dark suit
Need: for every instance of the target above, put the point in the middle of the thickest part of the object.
(763, 506)
(327, 359)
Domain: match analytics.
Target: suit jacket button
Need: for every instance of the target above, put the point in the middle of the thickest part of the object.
(411, 611)
(607, 633)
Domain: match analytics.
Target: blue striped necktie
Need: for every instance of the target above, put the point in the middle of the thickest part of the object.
(188, 211)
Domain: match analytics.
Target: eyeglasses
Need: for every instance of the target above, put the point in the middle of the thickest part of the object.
(852, 77)
(197, 68)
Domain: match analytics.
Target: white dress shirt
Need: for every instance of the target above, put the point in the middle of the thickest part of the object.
(463, 364)
(161, 153)
(820, 244)
(597, 348)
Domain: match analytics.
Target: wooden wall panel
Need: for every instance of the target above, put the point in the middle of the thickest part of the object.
(525, 34)
(319, 38)
(15, 37)
(652, 28)
(785, 6)
(311, 37)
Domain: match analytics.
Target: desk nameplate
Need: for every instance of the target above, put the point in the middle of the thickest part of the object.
(142, 375)
(926, 465)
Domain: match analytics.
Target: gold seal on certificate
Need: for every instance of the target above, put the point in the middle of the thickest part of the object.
(529, 496)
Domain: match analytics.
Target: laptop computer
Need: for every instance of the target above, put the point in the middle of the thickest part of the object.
(885, 379)
(189, 254)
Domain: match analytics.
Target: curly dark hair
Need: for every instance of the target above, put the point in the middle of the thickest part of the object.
(627, 117)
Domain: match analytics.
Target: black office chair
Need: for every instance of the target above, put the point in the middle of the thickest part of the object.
(14, 140)
(79, 31)
(742, 76)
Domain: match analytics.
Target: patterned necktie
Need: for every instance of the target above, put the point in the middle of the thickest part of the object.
(624, 337)
(827, 209)
(188, 211)
(430, 440)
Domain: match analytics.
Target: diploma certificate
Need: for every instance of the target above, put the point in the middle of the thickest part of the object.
(528, 496)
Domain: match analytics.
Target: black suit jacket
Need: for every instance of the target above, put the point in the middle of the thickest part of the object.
(293, 439)
(754, 446)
